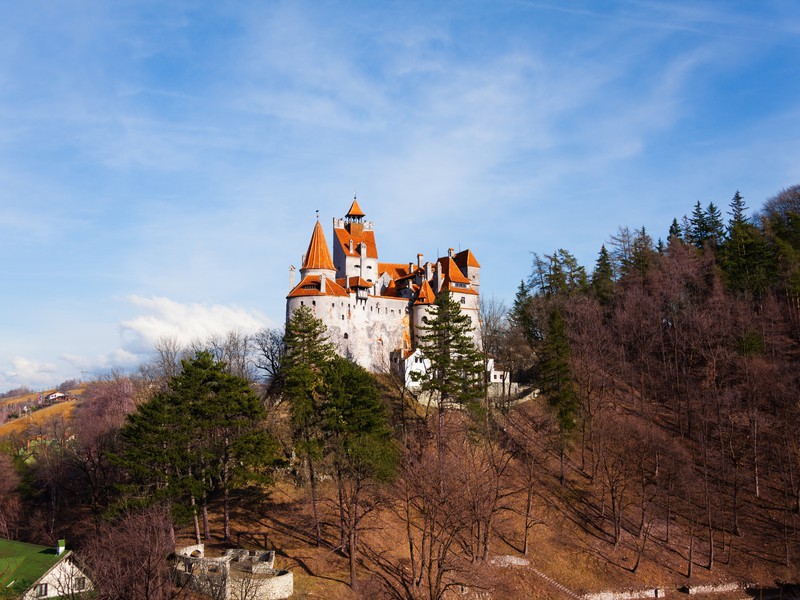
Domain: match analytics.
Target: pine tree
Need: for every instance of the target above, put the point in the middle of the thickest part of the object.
(675, 232)
(737, 211)
(715, 225)
(307, 354)
(202, 433)
(557, 381)
(698, 227)
(358, 441)
(455, 370)
(603, 277)
(521, 315)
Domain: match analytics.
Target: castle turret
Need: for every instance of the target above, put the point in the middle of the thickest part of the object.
(354, 251)
(317, 259)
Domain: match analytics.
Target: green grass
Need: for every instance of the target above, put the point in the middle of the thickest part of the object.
(23, 564)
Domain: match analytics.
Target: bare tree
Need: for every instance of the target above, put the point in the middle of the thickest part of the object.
(9, 498)
(269, 352)
(130, 558)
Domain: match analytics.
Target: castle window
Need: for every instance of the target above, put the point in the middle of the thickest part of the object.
(302, 303)
(41, 590)
(346, 336)
(463, 300)
(313, 303)
(333, 304)
(342, 317)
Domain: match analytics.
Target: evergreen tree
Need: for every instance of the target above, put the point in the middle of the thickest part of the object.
(641, 254)
(558, 274)
(202, 433)
(603, 277)
(746, 259)
(675, 233)
(227, 419)
(715, 225)
(557, 381)
(307, 353)
(521, 315)
(698, 227)
(359, 443)
(737, 211)
(455, 370)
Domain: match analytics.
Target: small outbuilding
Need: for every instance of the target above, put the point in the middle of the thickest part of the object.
(31, 572)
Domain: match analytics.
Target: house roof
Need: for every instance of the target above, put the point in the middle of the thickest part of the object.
(451, 270)
(355, 210)
(310, 286)
(394, 270)
(21, 564)
(466, 258)
(357, 282)
(364, 237)
(426, 295)
(318, 256)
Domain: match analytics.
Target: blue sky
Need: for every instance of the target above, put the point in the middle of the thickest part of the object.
(161, 162)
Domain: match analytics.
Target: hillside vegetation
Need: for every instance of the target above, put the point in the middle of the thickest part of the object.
(661, 450)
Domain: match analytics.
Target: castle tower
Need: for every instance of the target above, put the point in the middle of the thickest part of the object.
(355, 253)
(317, 259)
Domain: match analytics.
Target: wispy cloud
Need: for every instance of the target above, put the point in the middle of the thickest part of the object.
(26, 371)
(185, 323)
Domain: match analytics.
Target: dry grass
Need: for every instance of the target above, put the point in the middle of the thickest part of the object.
(37, 420)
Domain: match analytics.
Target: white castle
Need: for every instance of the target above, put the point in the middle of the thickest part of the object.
(373, 310)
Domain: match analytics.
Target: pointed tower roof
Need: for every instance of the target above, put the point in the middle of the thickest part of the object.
(318, 256)
(355, 211)
(426, 295)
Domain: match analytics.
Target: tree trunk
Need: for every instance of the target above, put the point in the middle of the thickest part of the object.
(528, 507)
(312, 478)
(196, 521)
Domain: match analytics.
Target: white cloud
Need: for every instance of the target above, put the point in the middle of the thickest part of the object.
(25, 371)
(185, 323)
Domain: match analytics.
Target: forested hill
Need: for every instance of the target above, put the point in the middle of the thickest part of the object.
(674, 374)
(662, 447)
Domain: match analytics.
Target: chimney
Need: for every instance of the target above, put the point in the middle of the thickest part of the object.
(450, 252)
(62, 546)
(428, 273)
(439, 278)
(410, 268)
(419, 259)
(322, 279)
(291, 277)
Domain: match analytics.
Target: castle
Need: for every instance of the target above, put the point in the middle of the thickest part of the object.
(373, 310)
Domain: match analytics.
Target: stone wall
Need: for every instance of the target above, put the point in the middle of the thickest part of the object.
(238, 575)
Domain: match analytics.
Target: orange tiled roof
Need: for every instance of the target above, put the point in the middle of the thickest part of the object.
(451, 270)
(395, 270)
(366, 237)
(458, 290)
(310, 287)
(414, 272)
(358, 282)
(426, 295)
(466, 258)
(391, 291)
(355, 210)
(318, 256)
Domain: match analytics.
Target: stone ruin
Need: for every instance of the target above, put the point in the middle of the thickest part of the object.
(237, 575)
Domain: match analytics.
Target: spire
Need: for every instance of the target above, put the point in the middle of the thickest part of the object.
(318, 257)
(426, 295)
(355, 211)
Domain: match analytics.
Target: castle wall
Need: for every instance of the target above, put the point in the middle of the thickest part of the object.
(365, 331)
